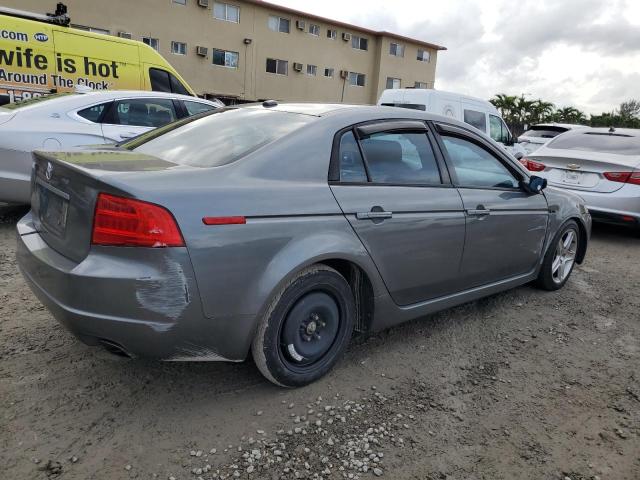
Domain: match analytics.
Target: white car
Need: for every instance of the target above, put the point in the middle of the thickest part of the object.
(475, 111)
(538, 135)
(70, 119)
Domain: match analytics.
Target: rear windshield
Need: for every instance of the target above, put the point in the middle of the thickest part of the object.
(617, 144)
(217, 138)
(546, 132)
(34, 100)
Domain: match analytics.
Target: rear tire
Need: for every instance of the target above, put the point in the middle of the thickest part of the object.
(560, 258)
(306, 328)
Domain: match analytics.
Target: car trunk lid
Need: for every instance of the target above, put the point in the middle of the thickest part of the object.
(585, 171)
(65, 186)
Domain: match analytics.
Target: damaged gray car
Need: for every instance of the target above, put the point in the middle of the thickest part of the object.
(279, 231)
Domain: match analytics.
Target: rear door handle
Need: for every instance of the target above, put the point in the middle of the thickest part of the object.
(373, 215)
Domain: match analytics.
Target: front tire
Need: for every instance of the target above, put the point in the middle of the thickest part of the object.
(306, 328)
(560, 257)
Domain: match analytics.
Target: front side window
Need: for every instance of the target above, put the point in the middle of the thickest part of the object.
(93, 113)
(193, 108)
(163, 81)
(351, 163)
(498, 130)
(332, 34)
(359, 43)
(224, 136)
(476, 119)
(225, 58)
(226, 12)
(424, 55)
(144, 112)
(152, 42)
(476, 167)
(279, 67)
(178, 48)
(312, 70)
(401, 158)
(396, 49)
(314, 29)
(328, 72)
(393, 82)
(356, 79)
(279, 24)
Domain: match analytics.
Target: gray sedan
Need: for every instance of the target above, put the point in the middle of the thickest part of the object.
(281, 230)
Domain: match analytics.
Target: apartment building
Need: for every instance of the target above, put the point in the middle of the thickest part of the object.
(249, 50)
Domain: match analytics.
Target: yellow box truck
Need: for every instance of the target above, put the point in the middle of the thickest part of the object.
(41, 54)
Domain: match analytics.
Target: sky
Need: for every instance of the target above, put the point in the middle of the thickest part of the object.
(580, 53)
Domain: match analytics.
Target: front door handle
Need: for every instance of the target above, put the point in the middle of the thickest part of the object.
(479, 211)
(374, 215)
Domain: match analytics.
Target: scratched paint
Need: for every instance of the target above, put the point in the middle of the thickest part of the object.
(166, 294)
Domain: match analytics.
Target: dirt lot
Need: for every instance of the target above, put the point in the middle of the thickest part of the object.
(525, 384)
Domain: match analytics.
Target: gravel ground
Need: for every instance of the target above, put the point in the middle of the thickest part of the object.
(525, 384)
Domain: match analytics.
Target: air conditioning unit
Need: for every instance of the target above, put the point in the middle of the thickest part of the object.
(125, 35)
(297, 67)
(344, 73)
(346, 36)
(203, 3)
(202, 51)
(300, 24)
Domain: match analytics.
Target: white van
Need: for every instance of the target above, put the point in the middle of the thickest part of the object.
(474, 111)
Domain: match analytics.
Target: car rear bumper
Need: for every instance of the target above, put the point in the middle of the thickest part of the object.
(621, 206)
(142, 302)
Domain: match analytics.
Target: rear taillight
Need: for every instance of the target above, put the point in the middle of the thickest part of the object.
(126, 222)
(532, 165)
(623, 177)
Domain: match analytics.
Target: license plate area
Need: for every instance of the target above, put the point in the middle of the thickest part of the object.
(573, 178)
(53, 207)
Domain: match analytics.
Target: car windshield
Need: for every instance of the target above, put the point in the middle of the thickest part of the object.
(33, 101)
(546, 132)
(217, 138)
(614, 143)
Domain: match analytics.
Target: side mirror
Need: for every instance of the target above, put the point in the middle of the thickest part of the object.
(510, 141)
(535, 184)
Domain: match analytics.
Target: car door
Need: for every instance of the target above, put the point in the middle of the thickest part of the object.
(128, 118)
(395, 192)
(506, 226)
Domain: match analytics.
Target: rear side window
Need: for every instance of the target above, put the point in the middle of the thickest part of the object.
(351, 164)
(617, 144)
(163, 81)
(144, 112)
(476, 119)
(224, 136)
(475, 167)
(401, 158)
(193, 108)
(94, 113)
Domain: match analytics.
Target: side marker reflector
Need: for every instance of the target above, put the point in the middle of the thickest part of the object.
(224, 220)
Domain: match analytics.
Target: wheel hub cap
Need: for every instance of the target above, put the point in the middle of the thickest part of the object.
(565, 256)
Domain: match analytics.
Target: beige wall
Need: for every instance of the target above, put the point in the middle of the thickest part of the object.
(197, 26)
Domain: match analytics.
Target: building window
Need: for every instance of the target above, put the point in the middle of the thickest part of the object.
(420, 85)
(226, 12)
(178, 48)
(152, 42)
(356, 79)
(332, 34)
(312, 70)
(424, 55)
(328, 72)
(393, 82)
(279, 24)
(279, 67)
(91, 29)
(180, 2)
(225, 58)
(314, 29)
(359, 43)
(396, 50)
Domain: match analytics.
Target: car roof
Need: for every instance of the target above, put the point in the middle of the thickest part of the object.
(632, 132)
(568, 126)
